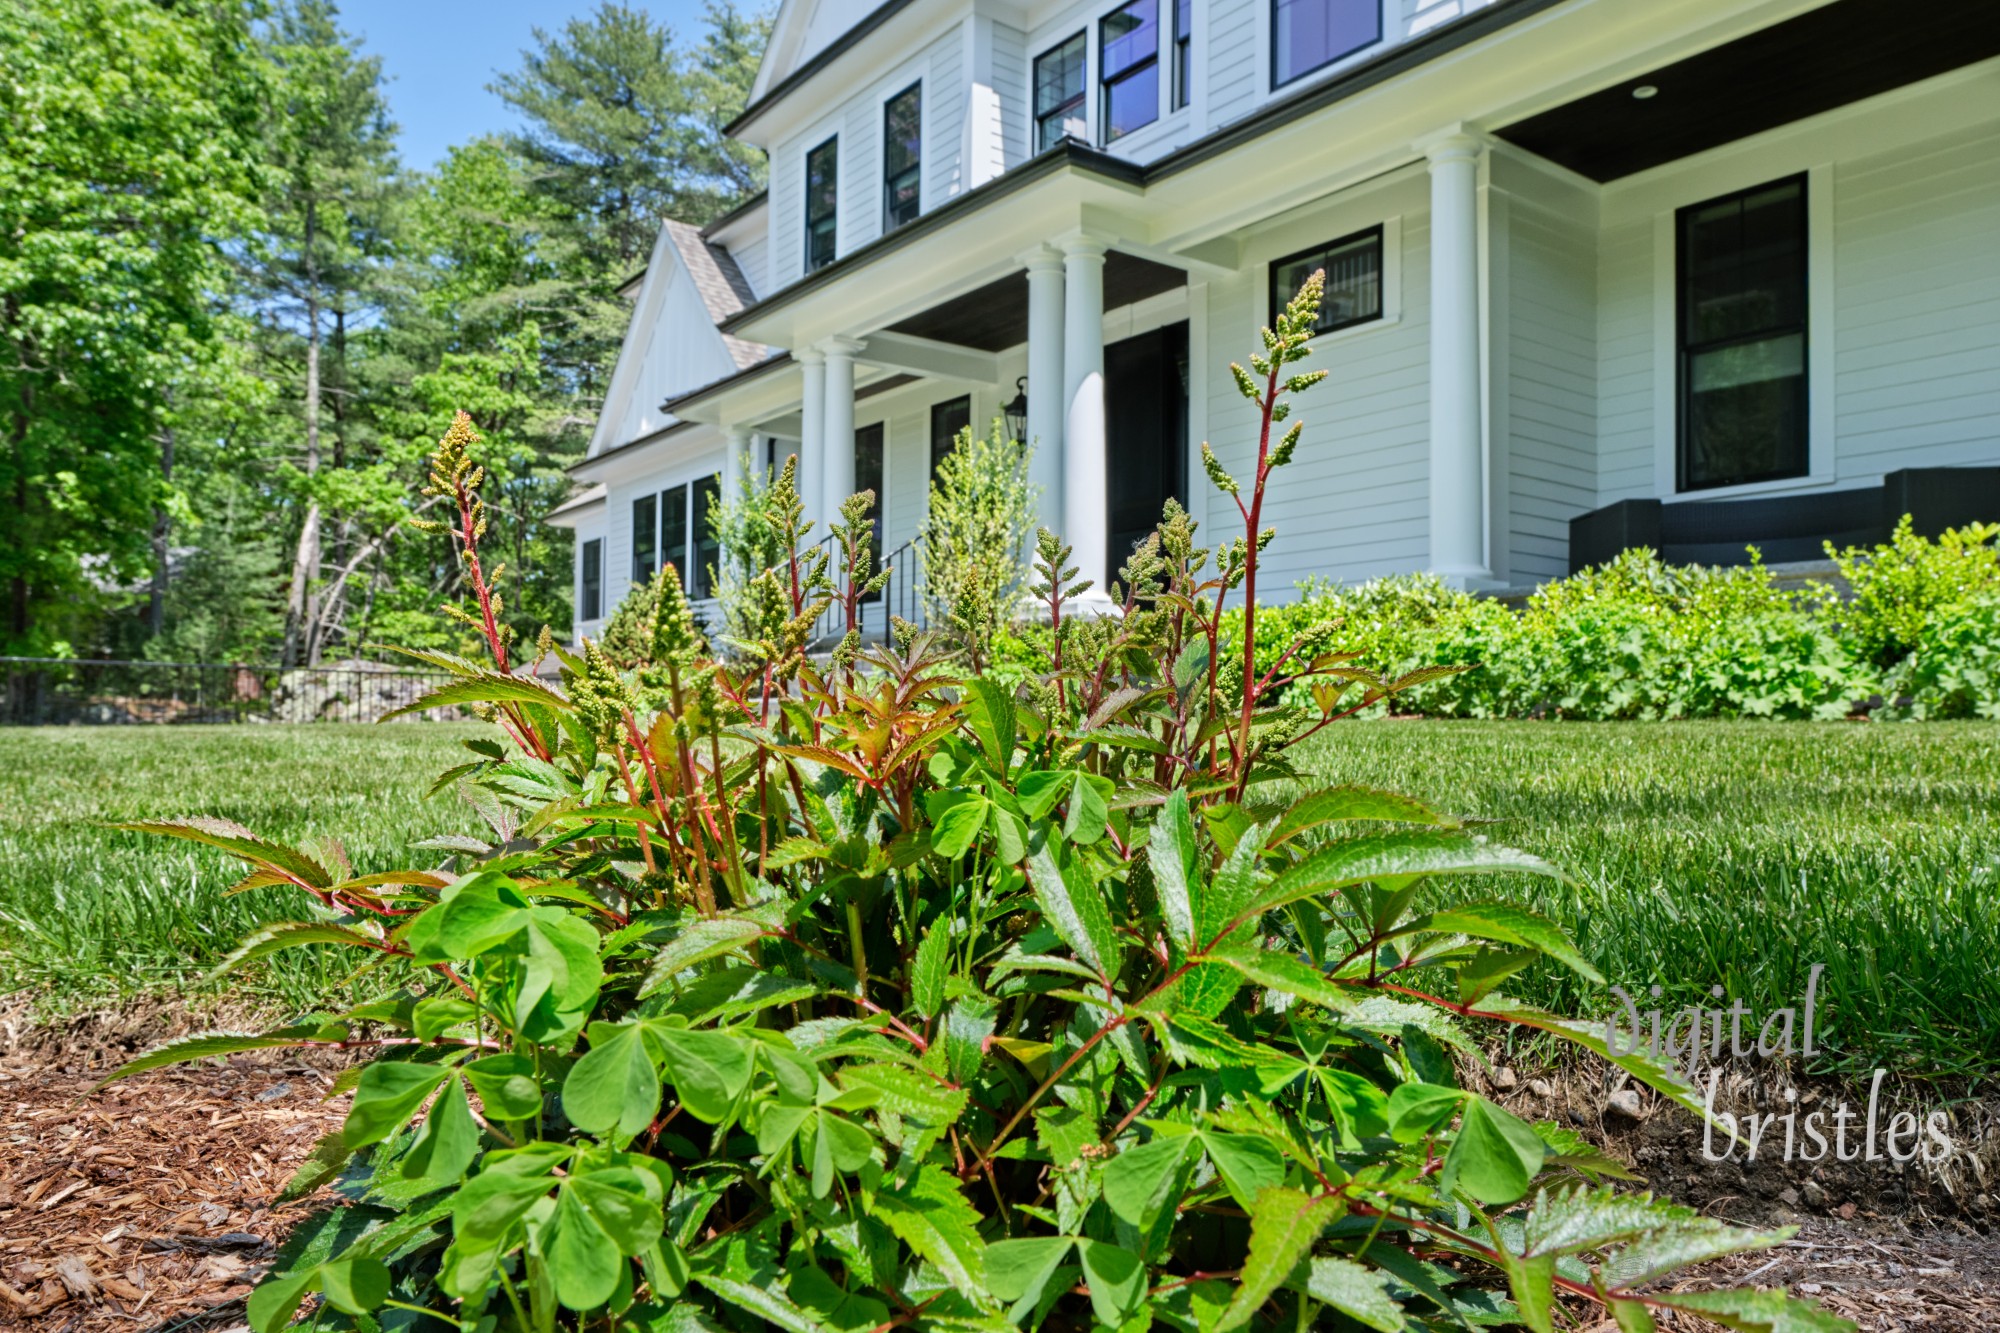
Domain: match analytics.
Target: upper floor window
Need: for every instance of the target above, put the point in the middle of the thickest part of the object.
(1059, 93)
(902, 156)
(1742, 322)
(1353, 267)
(1183, 53)
(590, 590)
(1129, 67)
(822, 202)
(1309, 34)
(948, 419)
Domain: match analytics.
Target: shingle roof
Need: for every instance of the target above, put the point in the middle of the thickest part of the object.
(721, 285)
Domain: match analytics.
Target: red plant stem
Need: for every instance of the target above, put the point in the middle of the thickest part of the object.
(1250, 522)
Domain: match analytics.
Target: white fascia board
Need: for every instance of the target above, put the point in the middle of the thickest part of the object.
(829, 90)
(672, 449)
(933, 360)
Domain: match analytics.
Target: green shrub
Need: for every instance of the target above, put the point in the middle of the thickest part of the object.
(1955, 669)
(1897, 591)
(867, 997)
(977, 530)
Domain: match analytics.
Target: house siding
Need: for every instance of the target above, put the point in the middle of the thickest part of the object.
(1550, 387)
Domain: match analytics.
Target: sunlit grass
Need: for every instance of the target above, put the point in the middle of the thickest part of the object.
(1740, 854)
(89, 913)
(1736, 854)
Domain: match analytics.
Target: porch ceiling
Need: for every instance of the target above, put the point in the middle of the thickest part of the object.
(995, 317)
(1823, 59)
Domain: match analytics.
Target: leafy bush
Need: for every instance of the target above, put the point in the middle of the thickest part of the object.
(1899, 590)
(856, 996)
(977, 531)
(1955, 669)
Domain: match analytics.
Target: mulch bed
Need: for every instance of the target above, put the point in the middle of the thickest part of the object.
(147, 1207)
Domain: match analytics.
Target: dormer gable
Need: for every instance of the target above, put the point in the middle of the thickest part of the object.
(673, 346)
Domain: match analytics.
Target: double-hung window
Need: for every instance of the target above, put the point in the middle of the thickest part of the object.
(868, 477)
(1742, 337)
(704, 551)
(1128, 48)
(1309, 34)
(674, 530)
(902, 157)
(645, 538)
(1183, 52)
(590, 592)
(1059, 93)
(948, 419)
(822, 202)
(1353, 267)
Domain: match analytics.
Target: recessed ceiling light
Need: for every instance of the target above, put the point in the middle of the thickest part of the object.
(1644, 91)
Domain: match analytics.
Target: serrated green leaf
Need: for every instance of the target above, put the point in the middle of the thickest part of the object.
(1361, 1294)
(1284, 1223)
(1509, 924)
(1247, 1165)
(1074, 905)
(1338, 804)
(1403, 852)
(989, 711)
(927, 971)
(935, 1220)
(1173, 853)
(204, 1046)
(488, 687)
(1756, 1311)
(699, 941)
(238, 841)
(283, 935)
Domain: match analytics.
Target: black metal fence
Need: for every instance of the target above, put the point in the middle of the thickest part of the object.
(52, 691)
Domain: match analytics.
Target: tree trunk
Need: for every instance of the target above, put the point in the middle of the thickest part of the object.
(299, 608)
(156, 600)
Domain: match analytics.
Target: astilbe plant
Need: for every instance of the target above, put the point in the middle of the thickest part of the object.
(853, 996)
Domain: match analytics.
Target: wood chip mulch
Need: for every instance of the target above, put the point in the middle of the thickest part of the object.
(146, 1206)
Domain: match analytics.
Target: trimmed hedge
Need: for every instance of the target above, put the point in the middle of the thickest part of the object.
(1915, 634)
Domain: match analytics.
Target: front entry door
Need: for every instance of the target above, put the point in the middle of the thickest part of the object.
(1146, 433)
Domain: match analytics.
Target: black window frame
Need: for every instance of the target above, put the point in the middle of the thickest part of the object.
(646, 554)
(871, 474)
(1183, 92)
(590, 580)
(1686, 351)
(944, 435)
(1078, 101)
(1279, 79)
(704, 548)
(911, 173)
(1107, 84)
(1278, 298)
(823, 227)
(674, 528)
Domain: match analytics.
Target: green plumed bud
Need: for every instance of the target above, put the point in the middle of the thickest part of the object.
(1283, 453)
(1244, 384)
(600, 696)
(1302, 311)
(1260, 365)
(1213, 467)
(1301, 382)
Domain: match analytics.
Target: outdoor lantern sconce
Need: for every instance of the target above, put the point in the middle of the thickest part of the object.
(1017, 412)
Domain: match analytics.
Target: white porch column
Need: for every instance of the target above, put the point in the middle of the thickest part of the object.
(1085, 493)
(735, 466)
(838, 474)
(1458, 480)
(1047, 399)
(812, 436)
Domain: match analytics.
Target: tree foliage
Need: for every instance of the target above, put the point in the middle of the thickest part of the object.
(867, 994)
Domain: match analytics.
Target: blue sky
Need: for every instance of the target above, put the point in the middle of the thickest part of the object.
(439, 55)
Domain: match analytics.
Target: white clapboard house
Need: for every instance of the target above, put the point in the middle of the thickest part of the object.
(1600, 273)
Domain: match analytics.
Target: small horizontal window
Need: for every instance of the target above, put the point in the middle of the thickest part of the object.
(1309, 34)
(1353, 266)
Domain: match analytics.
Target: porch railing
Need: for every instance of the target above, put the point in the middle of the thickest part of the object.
(900, 596)
(52, 691)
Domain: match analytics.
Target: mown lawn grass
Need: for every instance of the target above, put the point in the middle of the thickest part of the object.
(1740, 854)
(1732, 854)
(89, 913)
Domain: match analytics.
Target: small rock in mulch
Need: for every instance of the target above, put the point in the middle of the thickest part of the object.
(1625, 1103)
